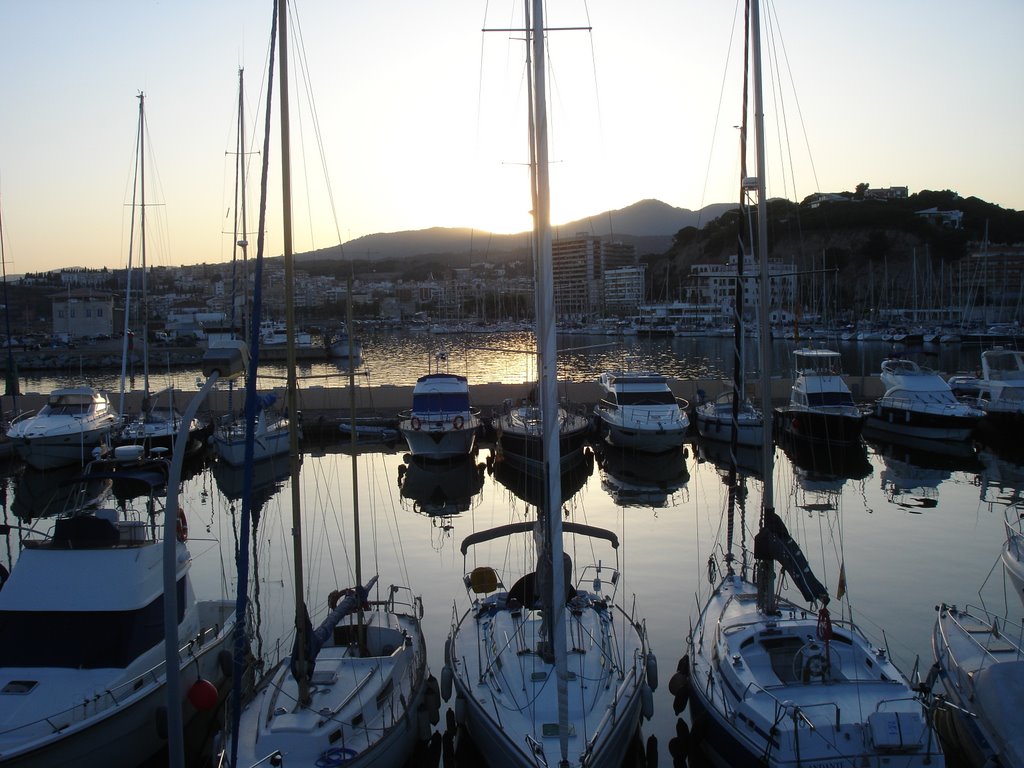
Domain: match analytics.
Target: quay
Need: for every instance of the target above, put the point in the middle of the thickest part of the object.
(323, 407)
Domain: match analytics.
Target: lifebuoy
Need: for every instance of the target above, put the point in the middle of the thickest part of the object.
(415, 423)
(458, 422)
(182, 527)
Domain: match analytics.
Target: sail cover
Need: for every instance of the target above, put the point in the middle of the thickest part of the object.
(773, 542)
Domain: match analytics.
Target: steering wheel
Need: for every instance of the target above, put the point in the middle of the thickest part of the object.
(810, 662)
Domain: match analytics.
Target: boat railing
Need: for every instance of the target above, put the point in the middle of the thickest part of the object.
(996, 630)
(904, 402)
(23, 416)
(401, 601)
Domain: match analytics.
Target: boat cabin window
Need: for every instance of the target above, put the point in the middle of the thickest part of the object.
(440, 401)
(819, 365)
(999, 366)
(819, 399)
(69, 405)
(83, 639)
(1012, 393)
(646, 398)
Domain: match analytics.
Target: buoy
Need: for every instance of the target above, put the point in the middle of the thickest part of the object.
(203, 695)
(679, 745)
(423, 722)
(646, 702)
(446, 682)
(182, 527)
(432, 697)
(652, 671)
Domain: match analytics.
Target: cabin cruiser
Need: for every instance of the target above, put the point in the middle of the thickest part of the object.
(918, 402)
(74, 421)
(82, 643)
(821, 406)
(999, 389)
(441, 424)
(639, 411)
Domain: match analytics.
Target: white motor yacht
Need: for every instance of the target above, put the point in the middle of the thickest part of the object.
(74, 421)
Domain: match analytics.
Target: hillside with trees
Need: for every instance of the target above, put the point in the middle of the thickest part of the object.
(861, 251)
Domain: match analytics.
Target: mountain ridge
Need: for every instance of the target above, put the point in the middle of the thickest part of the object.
(650, 225)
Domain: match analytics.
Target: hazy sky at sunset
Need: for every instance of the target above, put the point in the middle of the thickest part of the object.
(422, 121)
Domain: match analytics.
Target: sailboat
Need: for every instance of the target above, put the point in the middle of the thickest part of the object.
(539, 664)
(731, 417)
(777, 683)
(156, 424)
(354, 691)
(273, 428)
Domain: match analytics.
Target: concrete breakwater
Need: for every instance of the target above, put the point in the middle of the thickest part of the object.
(326, 405)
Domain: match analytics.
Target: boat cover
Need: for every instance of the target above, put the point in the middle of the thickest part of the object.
(773, 542)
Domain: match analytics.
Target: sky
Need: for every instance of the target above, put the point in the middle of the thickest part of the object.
(422, 121)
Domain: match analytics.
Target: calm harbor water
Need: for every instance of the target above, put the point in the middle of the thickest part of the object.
(399, 358)
(913, 529)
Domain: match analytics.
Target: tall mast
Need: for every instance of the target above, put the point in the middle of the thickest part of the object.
(765, 338)
(12, 367)
(738, 381)
(142, 251)
(552, 552)
(293, 405)
(243, 242)
(126, 336)
(241, 238)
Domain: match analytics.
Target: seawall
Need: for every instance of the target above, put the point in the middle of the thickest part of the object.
(386, 401)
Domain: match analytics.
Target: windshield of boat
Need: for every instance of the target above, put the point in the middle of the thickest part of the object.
(1004, 366)
(646, 398)
(83, 639)
(819, 399)
(440, 402)
(69, 405)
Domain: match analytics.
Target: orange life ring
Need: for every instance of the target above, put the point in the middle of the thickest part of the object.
(182, 527)
(458, 422)
(415, 423)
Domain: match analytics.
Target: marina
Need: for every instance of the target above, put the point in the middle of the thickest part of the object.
(916, 529)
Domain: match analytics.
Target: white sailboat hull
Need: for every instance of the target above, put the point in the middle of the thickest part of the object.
(1013, 558)
(367, 710)
(982, 671)
(271, 439)
(605, 699)
(753, 674)
(714, 425)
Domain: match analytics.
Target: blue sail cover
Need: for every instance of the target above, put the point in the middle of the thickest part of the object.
(773, 542)
(316, 639)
